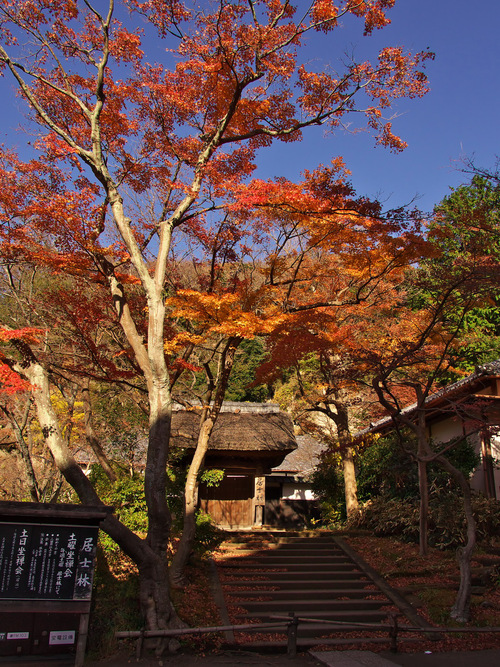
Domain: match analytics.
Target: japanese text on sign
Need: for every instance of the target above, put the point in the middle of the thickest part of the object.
(46, 562)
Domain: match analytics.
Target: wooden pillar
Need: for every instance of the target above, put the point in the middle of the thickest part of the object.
(82, 640)
(488, 469)
(259, 498)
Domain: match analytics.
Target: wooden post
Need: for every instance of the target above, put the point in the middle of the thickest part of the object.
(393, 632)
(259, 498)
(82, 640)
(139, 646)
(292, 635)
(487, 462)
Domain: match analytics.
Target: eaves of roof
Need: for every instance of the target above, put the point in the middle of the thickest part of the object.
(434, 404)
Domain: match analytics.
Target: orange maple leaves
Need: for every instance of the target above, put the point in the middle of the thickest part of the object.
(11, 381)
(131, 154)
(231, 314)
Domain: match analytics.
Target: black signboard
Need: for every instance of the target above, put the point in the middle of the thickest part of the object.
(46, 561)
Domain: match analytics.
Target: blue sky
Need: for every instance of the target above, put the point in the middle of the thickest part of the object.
(459, 117)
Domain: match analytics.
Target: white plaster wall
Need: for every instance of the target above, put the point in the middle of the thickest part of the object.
(297, 492)
(477, 482)
(495, 453)
(446, 430)
(452, 428)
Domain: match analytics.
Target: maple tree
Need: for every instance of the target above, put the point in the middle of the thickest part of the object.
(115, 130)
(219, 323)
(405, 357)
(323, 405)
(354, 276)
(82, 344)
(17, 411)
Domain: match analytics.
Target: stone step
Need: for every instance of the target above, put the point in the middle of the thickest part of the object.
(305, 553)
(305, 546)
(325, 576)
(313, 578)
(294, 567)
(308, 544)
(289, 563)
(286, 551)
(305, 539)
(282, 541)
(303, 583)
(304, 593)
(301, 605)
(272, 558)
(292, 553)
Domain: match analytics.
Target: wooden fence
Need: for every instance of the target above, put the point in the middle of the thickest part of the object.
(292, 624)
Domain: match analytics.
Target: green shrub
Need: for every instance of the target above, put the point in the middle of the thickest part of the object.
(332, 515)
(386, 516)
(448, 522)
(208, 536)
(386, 469)
(327, 482)
(487, 514)
(126, 496)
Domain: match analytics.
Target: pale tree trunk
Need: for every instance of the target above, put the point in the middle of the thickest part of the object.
(151, 359)
(152, 565)
(155, 600)
(160, 419)
(208, 419)
(461, 608)
(350, 483)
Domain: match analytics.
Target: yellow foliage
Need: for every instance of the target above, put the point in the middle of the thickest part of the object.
(230, 314)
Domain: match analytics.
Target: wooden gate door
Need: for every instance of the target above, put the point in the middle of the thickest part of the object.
(231, 503)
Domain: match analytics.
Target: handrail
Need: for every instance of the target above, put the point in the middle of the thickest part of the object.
(292, 622)
(135, 634)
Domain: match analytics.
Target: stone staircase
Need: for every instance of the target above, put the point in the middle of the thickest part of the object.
(316, 577)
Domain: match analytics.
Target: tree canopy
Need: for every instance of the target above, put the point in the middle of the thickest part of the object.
(466, 230)
(142, 164)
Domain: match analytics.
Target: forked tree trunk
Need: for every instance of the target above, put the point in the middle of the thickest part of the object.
(24, 451)
(149, 555)
(208, 419)
(461, 608)
(423, 451)
(185, 546)
(423, 486)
